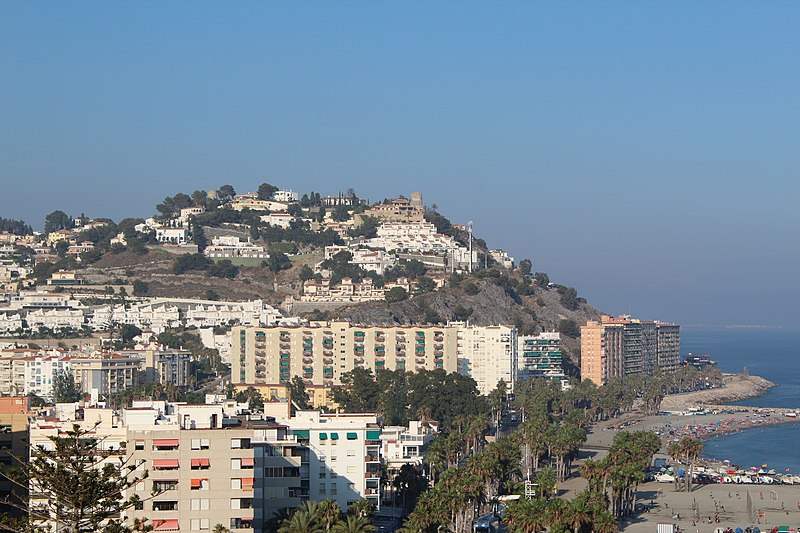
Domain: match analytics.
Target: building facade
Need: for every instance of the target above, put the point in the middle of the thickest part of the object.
(321, 352)
(617, 347)
(487, 354)
(540, 356)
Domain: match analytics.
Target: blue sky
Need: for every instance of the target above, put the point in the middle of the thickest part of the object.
(643, 152)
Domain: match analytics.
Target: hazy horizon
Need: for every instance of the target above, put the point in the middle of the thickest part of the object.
(644, 153)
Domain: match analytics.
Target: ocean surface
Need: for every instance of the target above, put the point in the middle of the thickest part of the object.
(770, 353)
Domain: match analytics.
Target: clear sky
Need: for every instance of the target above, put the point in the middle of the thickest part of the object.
(646, 153)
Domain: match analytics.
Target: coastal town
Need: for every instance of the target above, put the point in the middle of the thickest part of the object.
(252, 354)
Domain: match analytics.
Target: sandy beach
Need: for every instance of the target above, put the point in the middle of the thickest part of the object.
(780, 504)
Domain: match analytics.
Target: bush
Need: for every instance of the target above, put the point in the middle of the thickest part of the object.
(187, 262)
(140, 288)
(470, 288)
(569, 328)
(223, 269)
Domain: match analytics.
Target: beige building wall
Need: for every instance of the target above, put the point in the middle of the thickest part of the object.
(322, 353)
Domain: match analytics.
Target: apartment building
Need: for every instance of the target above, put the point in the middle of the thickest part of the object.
(14, 413)
(230, 246)
(55, 319)
(10, 322)
(160, 314)
(163, 366)
(617, 347)
(540, 357)
(106, 373)
(342, 456)
(321, 352)
(487, 354)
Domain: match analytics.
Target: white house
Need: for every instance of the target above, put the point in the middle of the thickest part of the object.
(286, 196)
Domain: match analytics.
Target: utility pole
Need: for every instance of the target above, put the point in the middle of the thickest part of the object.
(469, 230)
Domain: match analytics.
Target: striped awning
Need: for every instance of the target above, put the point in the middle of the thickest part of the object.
(248, 461)
(197, 463)
(165, 463)
(166, 442)
(166, 525)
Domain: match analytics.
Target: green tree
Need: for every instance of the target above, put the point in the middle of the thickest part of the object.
(184, 263)
(525, 267)
(226, 193)
(298, 394)
(295, 210)
(65, 390)
(278, 262)
(58, 220)
(353, 524)
(265, 191)
(306, 273)
(79, 483)
(569, 328)
(396, 294)
(211, 294)
(425, 284)
(140, 288)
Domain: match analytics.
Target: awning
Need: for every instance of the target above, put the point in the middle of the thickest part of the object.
(200, 463)
(335, 436)
(166, 525)
(165, 463)
(374, 434)
(198, 482)
(248, 461)
(166, 442)
(352, 436)
(247, 483)
(323, 436)
(302, 433)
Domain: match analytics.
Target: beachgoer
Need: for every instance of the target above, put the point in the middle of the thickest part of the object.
(729, 494)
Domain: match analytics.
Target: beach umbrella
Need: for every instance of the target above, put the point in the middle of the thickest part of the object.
(739, 530)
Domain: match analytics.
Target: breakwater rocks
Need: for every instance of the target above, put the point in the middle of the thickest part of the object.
(737, 387)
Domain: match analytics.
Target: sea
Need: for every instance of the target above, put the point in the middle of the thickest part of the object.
(773, 354)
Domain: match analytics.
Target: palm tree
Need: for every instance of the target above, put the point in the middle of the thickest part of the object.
(301, 521)
(363, 508)
(527, 516)
(219, 528)
(329, 513)
(353, 524)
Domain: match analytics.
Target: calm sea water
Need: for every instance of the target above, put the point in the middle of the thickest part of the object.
(772, 354)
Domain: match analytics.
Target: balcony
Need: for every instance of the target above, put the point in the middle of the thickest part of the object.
(371, 459)
(308, 360)
(284, 345)
(327, 352)
(327, 360)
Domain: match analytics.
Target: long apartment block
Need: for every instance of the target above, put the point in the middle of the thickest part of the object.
(321, 352)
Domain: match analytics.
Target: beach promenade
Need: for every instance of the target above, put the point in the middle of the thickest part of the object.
(780, 504)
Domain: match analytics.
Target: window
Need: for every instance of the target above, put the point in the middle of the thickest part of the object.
(199, 524)
(322, 472)
(170, 505)
(351, 469)
(273, 471)
(199, 504)
(139, 505)
(351, 453)
(201, 464)
(236, 484)
(333, 458)
(164, 485)
(334, 489)
(322, 489)
(139, 445)
(200, 444)
(199, 484)
(241, 523)
(334, 475)
(236, 464)
(236, 503)
(240, 444)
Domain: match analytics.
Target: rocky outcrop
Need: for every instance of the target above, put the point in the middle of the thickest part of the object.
(737, 387)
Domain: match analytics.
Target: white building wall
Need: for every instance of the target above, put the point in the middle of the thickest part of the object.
(488, 354)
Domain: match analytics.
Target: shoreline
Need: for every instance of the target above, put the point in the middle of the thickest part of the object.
(772, 505)
(737, 387)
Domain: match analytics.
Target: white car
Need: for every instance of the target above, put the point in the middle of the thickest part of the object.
(664, 478)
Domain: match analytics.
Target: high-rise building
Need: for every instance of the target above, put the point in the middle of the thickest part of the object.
(487, 354)
(617, 347)
(539, 356)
